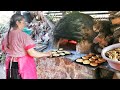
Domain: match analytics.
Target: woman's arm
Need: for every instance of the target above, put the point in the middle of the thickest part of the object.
(37, 54)
(29, 45)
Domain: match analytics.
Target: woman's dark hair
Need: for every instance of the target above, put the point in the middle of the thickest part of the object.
(13, 19)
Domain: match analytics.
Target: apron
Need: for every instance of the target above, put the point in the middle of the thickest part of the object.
(24, 68)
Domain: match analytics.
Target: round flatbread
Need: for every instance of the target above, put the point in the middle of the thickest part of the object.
(97, 61)
(60, 49)
(89, 56)
(91, 59)
(101, 60)
(94, 57)
(79, 60)
(86, 62)
(66, 52)
(62, 54)
(55, 55)
(93, 64)
(84, 57)
(98, 56)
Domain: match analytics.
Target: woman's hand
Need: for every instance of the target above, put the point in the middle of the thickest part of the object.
(49, 54)
(37, 54)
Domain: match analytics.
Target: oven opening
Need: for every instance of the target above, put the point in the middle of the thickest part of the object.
(67, 44)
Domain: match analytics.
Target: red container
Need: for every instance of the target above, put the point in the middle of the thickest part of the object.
(112, 63)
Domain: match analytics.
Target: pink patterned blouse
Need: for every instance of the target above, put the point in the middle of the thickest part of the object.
(19, 42)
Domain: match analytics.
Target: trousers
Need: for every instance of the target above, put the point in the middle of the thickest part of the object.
(12, 72)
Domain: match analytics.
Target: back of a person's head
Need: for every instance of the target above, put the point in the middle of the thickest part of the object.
(14, 18)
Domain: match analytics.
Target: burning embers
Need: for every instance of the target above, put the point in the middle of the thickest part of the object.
(66, 44)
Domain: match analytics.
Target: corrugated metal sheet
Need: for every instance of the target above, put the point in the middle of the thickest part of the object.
(100, 15)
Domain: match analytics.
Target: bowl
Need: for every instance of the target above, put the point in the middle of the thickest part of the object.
(114, 64)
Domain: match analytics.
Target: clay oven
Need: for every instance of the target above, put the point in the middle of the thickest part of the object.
(73, 29)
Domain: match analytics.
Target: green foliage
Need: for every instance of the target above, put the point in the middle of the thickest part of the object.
(2, 57)
(50, 17)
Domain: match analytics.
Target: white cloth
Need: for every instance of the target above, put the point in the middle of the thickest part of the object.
(22, 12)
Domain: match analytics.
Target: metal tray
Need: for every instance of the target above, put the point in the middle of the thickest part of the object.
(88, 65)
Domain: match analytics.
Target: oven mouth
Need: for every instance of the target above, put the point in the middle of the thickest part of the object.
(67, 44)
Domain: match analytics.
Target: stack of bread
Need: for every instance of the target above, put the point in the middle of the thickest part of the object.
(91, 59)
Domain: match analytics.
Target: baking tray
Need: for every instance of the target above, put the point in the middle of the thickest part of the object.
(88, 65)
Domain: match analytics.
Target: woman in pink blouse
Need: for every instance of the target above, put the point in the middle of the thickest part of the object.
(20, 53)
